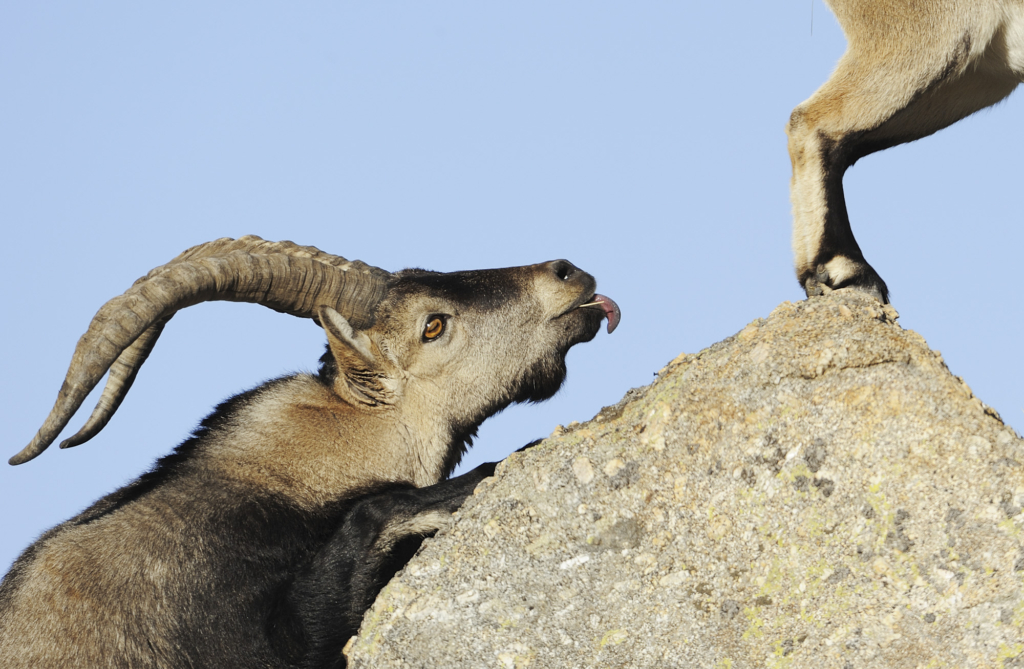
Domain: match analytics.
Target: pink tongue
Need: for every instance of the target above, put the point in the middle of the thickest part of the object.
(611, 311)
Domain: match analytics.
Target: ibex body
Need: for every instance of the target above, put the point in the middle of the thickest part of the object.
(912, 67)
(263, 538)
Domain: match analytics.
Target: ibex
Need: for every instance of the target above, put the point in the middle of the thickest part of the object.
(911, 68)
(262, 539)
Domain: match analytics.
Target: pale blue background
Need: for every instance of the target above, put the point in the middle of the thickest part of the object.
(641, 140)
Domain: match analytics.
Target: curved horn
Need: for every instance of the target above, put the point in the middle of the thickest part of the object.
(119, 382)
(126, 367)
(286, 277)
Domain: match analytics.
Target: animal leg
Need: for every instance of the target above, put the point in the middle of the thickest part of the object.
(890, 87)
(379, 535)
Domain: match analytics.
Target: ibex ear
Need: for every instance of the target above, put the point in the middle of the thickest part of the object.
(360, 376)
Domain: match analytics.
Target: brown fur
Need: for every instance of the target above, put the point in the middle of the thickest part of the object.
(912, 67)
(181, 568)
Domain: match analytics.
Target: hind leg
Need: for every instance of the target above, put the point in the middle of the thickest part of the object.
(893, 90)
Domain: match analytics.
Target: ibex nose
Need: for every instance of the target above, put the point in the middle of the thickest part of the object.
(563, 269)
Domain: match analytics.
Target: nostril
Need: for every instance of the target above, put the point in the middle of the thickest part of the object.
(563, 269)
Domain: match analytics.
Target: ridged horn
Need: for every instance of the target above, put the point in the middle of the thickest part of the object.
(283, 276)
(126, 367)
(119, 382)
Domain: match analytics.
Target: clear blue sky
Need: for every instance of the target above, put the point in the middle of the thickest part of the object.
(643, 141)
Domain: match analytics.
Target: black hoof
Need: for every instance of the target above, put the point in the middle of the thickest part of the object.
(867, 281)
(864, 279)
(818, 283)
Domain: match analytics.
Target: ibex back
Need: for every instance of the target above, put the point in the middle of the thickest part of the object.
(911, 68)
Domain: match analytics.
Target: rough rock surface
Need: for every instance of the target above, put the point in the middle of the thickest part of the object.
(816, 491)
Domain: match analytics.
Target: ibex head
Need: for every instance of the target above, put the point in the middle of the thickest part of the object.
(454, 347)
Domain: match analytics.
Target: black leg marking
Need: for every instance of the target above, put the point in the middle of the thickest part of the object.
(324, 604)
(838, 245)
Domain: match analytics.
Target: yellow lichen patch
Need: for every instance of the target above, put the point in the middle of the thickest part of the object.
(779, 659)
(613, 638)
(755, 625)
(789, 474)
(1011, 528)
(1008, 651)
(773, 580)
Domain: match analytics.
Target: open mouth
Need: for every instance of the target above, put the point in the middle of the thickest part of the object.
(611, 310)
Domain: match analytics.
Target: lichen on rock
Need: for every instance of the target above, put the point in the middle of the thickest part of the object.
(817, 490)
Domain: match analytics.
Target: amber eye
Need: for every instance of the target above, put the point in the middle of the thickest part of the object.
(435, 326)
